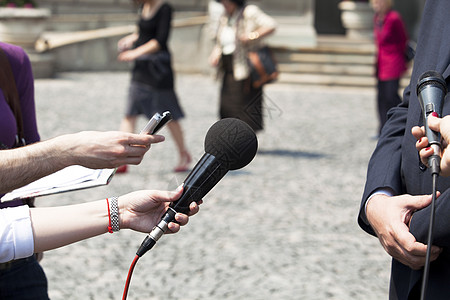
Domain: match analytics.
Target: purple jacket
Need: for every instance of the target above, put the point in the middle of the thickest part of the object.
(21, 68)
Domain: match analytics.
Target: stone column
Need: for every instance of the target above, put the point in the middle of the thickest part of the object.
(357, 18)
(295, 22)
(22, 27)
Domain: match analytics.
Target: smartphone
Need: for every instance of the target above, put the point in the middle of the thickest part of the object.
(157, 122)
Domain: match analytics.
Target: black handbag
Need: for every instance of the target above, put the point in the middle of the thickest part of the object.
(263, 67)
(410, 51)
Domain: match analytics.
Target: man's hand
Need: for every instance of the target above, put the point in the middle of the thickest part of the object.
(390, 218)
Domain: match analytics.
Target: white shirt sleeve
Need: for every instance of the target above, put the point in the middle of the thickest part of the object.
(16, 234)
(384, 191)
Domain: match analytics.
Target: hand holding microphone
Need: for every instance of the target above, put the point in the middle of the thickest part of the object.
(441, 125)
(230, 144)
(431, 90)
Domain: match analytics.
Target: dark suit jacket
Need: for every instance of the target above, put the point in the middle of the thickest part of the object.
(395, 163)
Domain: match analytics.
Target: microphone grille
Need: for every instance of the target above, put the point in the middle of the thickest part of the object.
(232, 142)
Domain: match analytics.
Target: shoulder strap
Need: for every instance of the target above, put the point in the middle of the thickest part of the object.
(9, 88)
(241, 14)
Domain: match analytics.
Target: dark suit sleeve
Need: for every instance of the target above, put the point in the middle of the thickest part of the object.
(384, 169)
(421, 219)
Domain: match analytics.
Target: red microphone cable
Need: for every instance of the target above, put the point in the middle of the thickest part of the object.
(130, 272)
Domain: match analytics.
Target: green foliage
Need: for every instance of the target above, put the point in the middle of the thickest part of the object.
(18, 3)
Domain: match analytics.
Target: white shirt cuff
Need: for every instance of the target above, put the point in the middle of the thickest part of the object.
(381, 191)
(16, 234)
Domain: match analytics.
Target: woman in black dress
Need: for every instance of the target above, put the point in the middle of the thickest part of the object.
(152, 82)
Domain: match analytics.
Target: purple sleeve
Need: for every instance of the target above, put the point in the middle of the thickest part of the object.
(23, 75)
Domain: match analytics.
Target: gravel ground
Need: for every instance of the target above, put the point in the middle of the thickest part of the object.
(284, 227)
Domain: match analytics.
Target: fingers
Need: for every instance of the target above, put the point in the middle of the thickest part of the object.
(416, 262)
(408, 251)
(194, 208)
(144, 139)
(183, 219)
(418, 132)
(174, 227)
(390, 217)
(418, 202)
(422, 143)
(136, 145)
(167, 196)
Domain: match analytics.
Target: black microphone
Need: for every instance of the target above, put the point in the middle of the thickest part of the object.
(431, 90)
(230, 144)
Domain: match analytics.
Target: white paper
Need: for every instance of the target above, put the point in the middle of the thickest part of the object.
(67, 179)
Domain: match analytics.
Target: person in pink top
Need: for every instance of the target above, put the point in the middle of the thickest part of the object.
(390, 39)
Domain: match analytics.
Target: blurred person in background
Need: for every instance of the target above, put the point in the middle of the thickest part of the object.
(152, 82)
(390, 39)
(241, 28)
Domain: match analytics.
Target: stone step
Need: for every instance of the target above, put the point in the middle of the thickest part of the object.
(316, 79)
(324, 58)
(326, 68)
(335, 61)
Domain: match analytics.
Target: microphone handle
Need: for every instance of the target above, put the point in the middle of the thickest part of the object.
(434, 140)
(203, 177)
(434, 161)
(433, 136)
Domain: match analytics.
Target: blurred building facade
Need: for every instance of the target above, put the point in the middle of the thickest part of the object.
(81, 35)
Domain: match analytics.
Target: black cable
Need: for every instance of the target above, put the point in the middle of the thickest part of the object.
(426, 270)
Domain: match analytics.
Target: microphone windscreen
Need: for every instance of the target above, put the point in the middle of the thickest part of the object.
(233, 142)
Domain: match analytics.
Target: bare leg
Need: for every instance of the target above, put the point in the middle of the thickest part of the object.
(128, 124)
(185, 157)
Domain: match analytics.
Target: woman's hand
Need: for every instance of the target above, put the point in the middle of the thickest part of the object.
(142, 210)
(128, 55)
(127, 42)
(441, 125)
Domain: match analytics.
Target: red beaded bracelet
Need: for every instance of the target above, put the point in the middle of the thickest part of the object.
(110, 230)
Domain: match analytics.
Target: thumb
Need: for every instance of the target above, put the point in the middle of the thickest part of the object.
(172, 196)
(434, 123)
